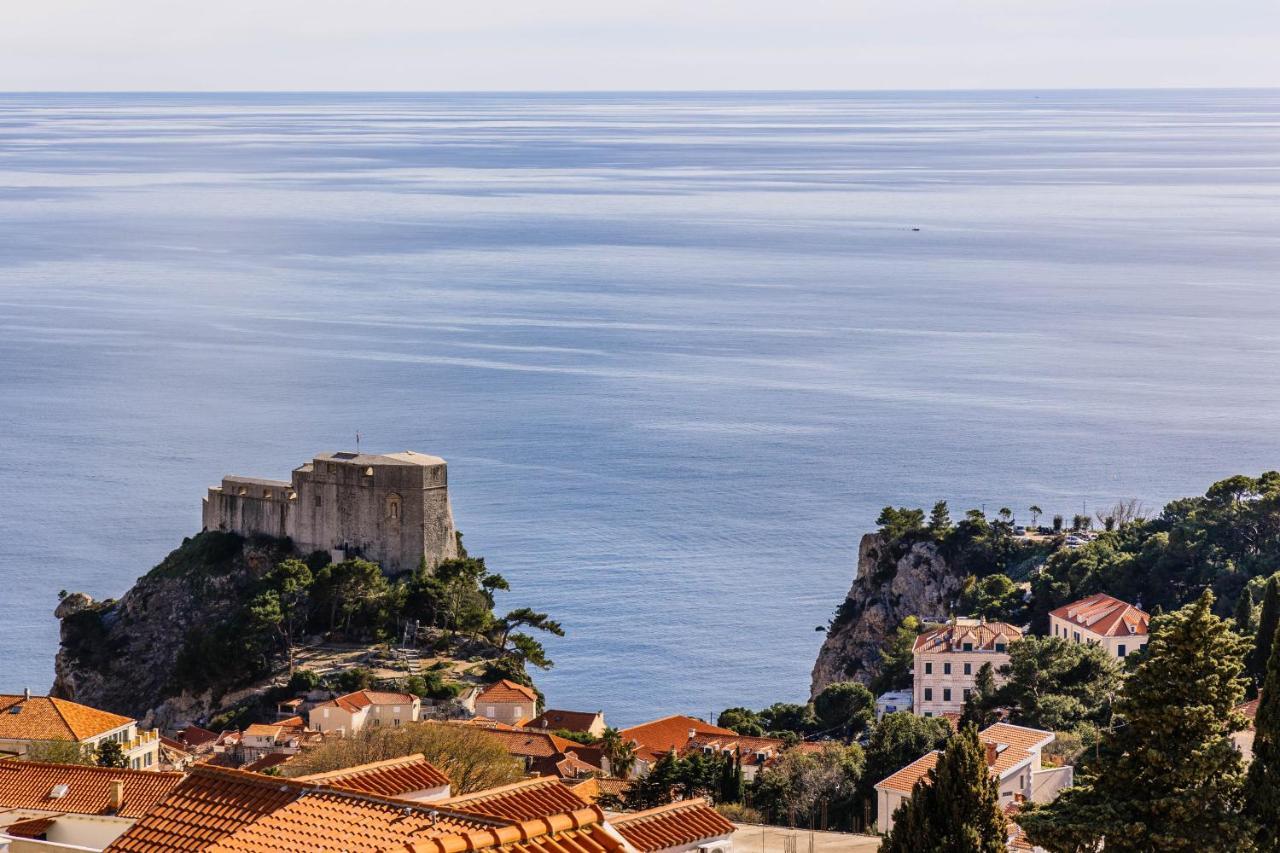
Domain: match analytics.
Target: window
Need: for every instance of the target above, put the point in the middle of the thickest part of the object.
(377, 721)
(968, 647)
(396, 721)
(492, 712)
(1141, 647)
(928, 668)
(1120, 651)
(326, 713)
(928, 713)
(1000, 647)
(393, 507)
(946, 694)
(946, 668)
(967, 694)
(317, 500)
(968, 669)
(928, 694)
(1075, 635)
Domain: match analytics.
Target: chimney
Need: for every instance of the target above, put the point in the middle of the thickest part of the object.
(117, 795)
(992, 753)
(693, 733)
(26, 694)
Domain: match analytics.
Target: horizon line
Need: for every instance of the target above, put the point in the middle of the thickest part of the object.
(635, 91)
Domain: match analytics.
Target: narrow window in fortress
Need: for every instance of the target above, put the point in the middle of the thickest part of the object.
(266, 493)
(244, 491)
(317, 500)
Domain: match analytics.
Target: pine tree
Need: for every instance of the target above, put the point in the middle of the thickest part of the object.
(1262, 788)
(1268, 621)
(940, 520)
(955, 808)
(1168, 777)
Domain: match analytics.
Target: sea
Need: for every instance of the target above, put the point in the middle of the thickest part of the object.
(678, 349)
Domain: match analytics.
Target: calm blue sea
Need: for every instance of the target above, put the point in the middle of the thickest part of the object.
(677, 349)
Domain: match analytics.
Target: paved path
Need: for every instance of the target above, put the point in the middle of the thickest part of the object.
(751, 838)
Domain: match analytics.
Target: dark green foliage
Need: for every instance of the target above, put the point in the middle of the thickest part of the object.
(995, 598)
(896, 741)
(1262, 785)
(673, 778)
(744, 721)
(788, 717)
(940, 521)
(110, 754)
(211, 553)
(794, 790)
(955, 808)
(1050, 684)
(1244, 613)
(897, 658)
(1221, 541)
(1168, 776)
(844, 708)
(1268, 622)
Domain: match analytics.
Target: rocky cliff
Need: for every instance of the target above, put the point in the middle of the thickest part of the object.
(886, 588)
(141, 656)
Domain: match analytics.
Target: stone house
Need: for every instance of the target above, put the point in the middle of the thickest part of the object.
(1013, 757)
(29, 723)
(1116, 625)
(584, 722)
(506, 702)
(947, 660)
(349, 714)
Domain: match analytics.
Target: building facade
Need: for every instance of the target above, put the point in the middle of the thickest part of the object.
(349, 714)
(947, 660)
(392, 509)
(1116, 625)
(31, 724)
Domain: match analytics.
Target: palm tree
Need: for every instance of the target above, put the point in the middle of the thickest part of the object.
(620, 753)
(1036, 512)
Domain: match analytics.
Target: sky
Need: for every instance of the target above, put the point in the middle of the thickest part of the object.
(424, 45)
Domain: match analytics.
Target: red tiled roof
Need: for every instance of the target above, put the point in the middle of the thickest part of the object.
(1105, 616)
(983, 636)
(671, 733)
(525, 800)
(392, 778)
(194, 736)
(30, 785)
(592, 788)
(746, 748)
(229, 811)
(1014, 745)
(218, 809)
(48, 718)
(506, 691)
(268, 761)
(1249, 710)
(31, 828)
(673, 825)
(570, 721)
(352, 702)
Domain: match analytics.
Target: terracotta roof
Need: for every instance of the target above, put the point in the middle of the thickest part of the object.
(506, 691)
(392, 778)
(268, 761)
(983, 636)
(263, 730)
(229, 811)
(1249, 710)
(670, 733)
(30, 785)
(352, 702)
(592, 788)
(525, 800)
(746, 748)
(218, 809)
(673, 825)
(1105, 616)
(47, 718)
(570, 721)
(194, 736)
(1014, 745)
(31, 828)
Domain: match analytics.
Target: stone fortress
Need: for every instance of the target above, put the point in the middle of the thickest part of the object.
(392, 509)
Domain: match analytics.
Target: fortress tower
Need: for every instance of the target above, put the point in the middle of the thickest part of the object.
(392, 509)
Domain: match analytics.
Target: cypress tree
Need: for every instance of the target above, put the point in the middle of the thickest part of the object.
(1168, 777)
(1268, 620)
(1262, 788)
(955, 808)
(1244, 614)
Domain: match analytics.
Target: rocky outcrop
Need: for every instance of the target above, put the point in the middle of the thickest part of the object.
(886, 589)
(140, 656)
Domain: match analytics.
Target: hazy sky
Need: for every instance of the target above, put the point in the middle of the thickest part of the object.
(636, 44)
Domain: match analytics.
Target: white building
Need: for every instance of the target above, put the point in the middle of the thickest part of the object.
(947, 660)
(893, 701)
(30, 724)
(1013, 757)
(1116, 625)
(351, 713)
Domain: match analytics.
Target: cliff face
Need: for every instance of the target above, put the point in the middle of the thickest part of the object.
(137, 656)
(919, 583)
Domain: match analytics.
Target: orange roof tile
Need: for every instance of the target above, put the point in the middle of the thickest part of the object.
(905, 779)
(570, 721)
(229, 811)
(670, 733)
(1014, 745)
(506, 691)
(352, 702)
(31, 828)
(223, 810)
(47, 718)
(1249, 709)
(30, 785)
(592, 788)
(673, 825)
(1105, 616)
(525, 800)
(951, 638)
(391, 778)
